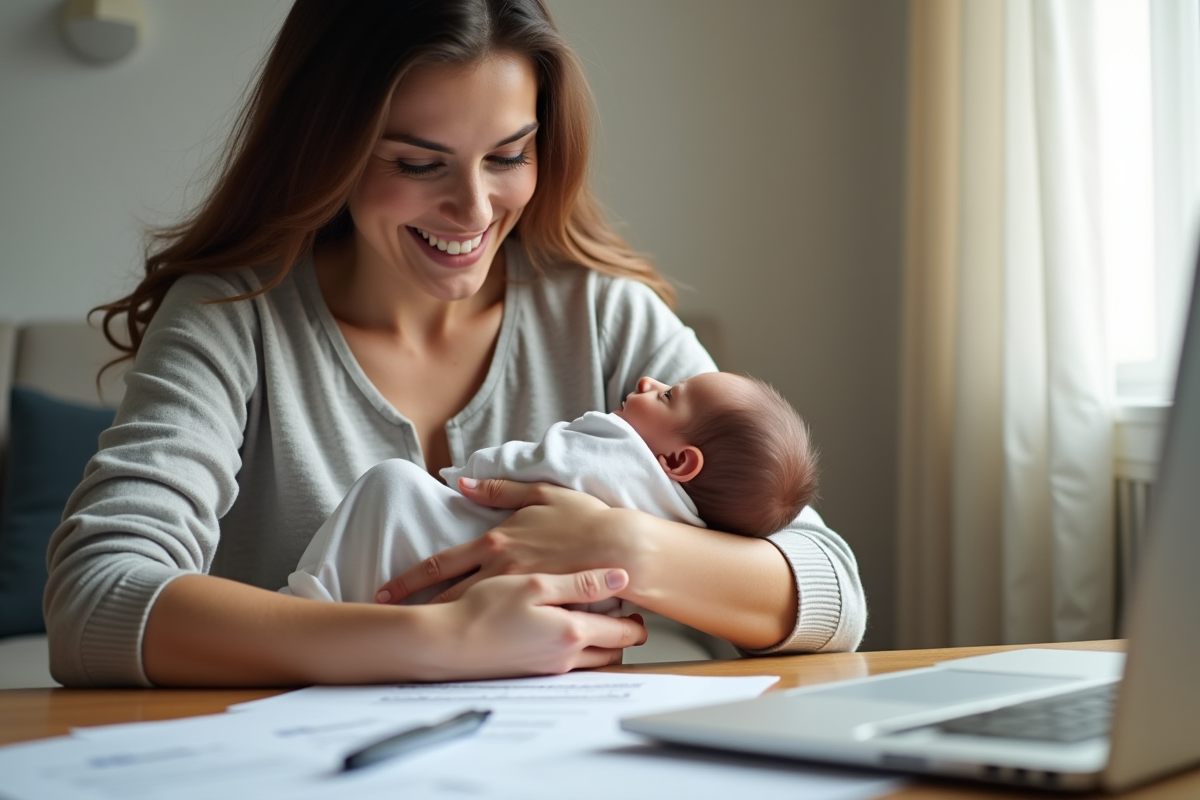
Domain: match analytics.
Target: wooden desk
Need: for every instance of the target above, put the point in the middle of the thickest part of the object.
(37, 713)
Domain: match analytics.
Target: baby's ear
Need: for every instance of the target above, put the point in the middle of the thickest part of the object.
(683, 465)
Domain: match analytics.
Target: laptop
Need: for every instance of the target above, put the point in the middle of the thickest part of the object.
(1057, 719)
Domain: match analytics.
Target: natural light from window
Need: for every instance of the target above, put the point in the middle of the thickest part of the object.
(1127, 178)
(1148, 108)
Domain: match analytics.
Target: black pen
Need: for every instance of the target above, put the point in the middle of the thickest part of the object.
(415, 738)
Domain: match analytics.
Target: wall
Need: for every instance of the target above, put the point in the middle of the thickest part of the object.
(88, 153)
(757, 155)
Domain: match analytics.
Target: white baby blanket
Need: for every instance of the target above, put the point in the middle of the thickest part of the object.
(397, 514)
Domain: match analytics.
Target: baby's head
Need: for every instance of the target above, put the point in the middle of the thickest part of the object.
(740, 448)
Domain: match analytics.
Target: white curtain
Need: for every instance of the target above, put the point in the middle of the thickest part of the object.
(1005, 509)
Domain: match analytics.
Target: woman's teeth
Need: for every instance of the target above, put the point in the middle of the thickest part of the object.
(450, 246)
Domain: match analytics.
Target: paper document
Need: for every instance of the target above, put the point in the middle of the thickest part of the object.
(547, 737)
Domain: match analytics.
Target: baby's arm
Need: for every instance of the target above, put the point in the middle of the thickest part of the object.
(516, 460)
(565, 456)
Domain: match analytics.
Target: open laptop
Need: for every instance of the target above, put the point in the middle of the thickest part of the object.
(1046, 718)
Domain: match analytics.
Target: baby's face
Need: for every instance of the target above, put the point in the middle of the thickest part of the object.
(659, 412)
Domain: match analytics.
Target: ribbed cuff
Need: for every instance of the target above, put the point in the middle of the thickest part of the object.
(111, 647)
(819, 596)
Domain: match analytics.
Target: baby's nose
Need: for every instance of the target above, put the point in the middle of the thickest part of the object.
(648, 384)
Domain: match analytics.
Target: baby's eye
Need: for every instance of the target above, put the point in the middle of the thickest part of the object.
(667, 394)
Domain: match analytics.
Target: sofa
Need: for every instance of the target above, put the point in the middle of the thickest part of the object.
(51, 368)
(59, 360)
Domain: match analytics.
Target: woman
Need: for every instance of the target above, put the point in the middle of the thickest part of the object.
(400, 258)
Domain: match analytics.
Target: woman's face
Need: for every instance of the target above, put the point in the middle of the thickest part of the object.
(451, 174)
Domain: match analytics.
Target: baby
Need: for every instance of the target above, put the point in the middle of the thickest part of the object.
(739, 448)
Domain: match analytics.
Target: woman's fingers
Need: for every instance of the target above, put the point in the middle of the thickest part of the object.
(499, 493)
(456, 591)
(519, 623)
(554, 532)
(451, 563)
(610, 607)
(587, 586)
(593, 657)
(613, 633)
(590, 586)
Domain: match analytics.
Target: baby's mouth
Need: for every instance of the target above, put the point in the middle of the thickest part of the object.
(454, 247)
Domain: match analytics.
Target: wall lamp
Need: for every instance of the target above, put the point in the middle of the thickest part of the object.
(103, 31)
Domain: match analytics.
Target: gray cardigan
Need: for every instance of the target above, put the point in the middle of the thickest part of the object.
(244, 423)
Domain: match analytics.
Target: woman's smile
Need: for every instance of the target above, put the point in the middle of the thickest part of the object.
(450, 245)
(452, 251)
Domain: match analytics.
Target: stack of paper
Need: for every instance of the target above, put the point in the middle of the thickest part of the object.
(548, 737)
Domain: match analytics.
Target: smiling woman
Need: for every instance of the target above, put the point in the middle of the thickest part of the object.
(446, 184)
(400, 259)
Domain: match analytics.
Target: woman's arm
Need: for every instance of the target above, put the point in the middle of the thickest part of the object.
(208, 631)
(737, 588)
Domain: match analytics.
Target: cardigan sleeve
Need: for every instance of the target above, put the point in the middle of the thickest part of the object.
(149, 505)
(832, 609)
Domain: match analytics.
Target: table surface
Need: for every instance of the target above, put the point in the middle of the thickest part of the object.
(37, 713)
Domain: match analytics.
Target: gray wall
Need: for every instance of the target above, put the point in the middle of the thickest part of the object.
(88, 154)
(755, 149)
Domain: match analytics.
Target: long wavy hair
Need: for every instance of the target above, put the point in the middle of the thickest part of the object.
(310, 123)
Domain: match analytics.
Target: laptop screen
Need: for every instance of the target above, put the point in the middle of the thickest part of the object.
(1157, 724)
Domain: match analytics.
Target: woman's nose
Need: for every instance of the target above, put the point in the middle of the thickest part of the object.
(468, 204)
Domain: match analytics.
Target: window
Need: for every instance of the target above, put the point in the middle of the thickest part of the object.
(1148, 62)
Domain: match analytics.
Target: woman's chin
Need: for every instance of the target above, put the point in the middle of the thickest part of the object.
(450, 288)
(454, 283)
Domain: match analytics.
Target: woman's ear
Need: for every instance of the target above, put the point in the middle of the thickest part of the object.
(683, 465)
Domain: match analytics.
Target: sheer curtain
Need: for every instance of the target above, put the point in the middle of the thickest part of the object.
(1006, 485)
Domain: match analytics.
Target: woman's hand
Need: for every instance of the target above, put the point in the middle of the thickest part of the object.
(208, 631)
(516, 625)
(554, 530)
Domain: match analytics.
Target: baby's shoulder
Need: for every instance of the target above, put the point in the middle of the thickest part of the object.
(599, 424)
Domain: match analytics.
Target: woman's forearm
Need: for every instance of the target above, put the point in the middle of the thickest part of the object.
(208, 631)
(737, 588)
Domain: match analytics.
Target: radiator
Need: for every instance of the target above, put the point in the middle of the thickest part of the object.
(1132, 498)
(1137, 439)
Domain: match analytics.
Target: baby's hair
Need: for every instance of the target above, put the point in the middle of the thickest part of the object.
(759, 470)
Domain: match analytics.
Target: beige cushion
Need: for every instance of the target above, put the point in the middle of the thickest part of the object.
(63, 359)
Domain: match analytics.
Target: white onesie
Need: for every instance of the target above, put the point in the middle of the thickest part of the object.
(397, 514)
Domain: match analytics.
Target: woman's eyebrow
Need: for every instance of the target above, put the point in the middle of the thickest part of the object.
(528, 129)
(425, 144)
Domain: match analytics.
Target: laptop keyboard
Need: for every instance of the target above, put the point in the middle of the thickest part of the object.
(1064, 718)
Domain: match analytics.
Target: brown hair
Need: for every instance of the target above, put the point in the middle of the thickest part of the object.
(312, 119)
(759, 469)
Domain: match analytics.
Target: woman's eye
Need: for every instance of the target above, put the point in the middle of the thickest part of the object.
(510, 162)
(405, 168)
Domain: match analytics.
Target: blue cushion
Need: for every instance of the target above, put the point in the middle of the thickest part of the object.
(50, 443)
